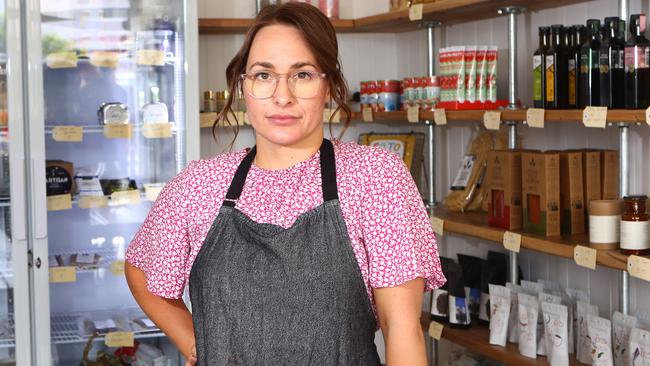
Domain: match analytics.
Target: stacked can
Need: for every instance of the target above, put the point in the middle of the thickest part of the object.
(364, 94)
(431, 93)
(389, 95)
(373, 97)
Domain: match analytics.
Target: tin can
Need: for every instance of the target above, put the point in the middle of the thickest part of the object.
(431, 93)
(388, 95)
(372, 95)
(407, 88)
(402, 97)
(364, 93)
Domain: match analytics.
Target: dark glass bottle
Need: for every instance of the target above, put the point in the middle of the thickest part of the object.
(557, 71)
(539, 67)
(589, 66)
(637, 65)
(579, 37)
(612, 65)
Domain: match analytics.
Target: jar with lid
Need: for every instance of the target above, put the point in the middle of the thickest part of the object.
(605, 223)
(209, 101)
(222, 96)
(634, 226)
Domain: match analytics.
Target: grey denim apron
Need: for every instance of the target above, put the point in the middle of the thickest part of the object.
(265, 295)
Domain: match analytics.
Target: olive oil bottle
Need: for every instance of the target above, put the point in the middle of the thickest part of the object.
(539, 67)
(637, 65)
(557, 73)
(612, 64)
(589, 66)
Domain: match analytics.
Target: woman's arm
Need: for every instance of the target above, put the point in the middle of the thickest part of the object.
(170, 315)
(399, 311)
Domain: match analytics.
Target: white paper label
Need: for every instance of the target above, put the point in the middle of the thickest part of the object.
(462, 177)
(604, 229)
(634, 235)
(537, 61)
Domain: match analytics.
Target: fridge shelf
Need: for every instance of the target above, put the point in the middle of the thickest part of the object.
(98, 129)
(108, 260)
(5, 202)
(65, 330)
(7, 334)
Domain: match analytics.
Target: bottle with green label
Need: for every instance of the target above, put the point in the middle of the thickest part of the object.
(590, 66)
(612, 64)
(579, 35)
(637, 65)
(556, 71)
(539, 79)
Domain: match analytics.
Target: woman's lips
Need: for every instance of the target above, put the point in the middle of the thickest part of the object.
(283, 119)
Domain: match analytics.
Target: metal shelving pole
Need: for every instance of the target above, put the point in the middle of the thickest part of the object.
(431, 127)
(512, 13)
(623, 179)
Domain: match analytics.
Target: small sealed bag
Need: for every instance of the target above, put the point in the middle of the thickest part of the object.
(499, 314)
(458, 309)
(600, 335)
(541, 330)
(571, 298)
(495, 271)
(622, 326)
(472, 269)
(583, 345)
(528, 313)
(639, 347)
(440, 296)
(513, 321)
(556, 333)
(535, 287)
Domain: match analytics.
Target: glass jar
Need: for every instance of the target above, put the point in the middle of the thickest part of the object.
(209, 101)
(634, 226)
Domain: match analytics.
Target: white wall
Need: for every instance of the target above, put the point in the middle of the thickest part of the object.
(380, 56)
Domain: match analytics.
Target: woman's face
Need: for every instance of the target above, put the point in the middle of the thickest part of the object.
(284, 119)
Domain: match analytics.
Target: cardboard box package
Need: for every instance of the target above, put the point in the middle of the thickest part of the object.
(591, 179)
(609, 174)
(541, 192)
(503, 179)
(572, 206)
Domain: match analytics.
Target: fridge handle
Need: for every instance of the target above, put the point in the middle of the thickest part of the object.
(17, 195)
(39, 199)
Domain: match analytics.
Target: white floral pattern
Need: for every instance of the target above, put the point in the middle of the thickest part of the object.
(386, 219)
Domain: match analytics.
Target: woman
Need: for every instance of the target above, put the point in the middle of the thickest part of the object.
(280, 271)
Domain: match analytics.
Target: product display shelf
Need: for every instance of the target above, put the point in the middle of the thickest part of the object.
(445, 11)
(97, 128)
(477, 339)
(65, 329)
(474, 224)
(143, 198)
(107, 257)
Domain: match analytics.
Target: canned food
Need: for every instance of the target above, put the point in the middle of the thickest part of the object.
(432, 92)
(407, 88)
(364, 93)
(388, 95)
(372, 95)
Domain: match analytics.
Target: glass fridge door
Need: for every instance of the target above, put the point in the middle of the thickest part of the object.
(113, 127)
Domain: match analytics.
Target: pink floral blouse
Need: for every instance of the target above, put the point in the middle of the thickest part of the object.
(386, 219)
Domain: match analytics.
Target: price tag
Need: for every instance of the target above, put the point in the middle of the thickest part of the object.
(152, 190)
(415, 12)
(131, 197)
(535, 117)
(117, 268)
(68, 133)
(367, 114)
(150, 58)
(440, 116)
(105, 59)
(157, 130)
(435, 330)
(59, 202)
(512, 241)
(207, 119)
(492, 120)
(86, 202)
(639, 267)
(438, 225)
(121, 131)
(647, 116)
(119, 339)
(585, 256)
(329, 113)
(595, 117)
(413, 114)
(63, 274)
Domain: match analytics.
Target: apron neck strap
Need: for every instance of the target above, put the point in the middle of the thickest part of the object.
(328, 174)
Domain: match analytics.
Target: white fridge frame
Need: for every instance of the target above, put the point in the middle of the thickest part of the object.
(36, 212)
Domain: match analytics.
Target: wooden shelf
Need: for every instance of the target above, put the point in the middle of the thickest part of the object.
(474, 224)
(445, 11)
(477, 339)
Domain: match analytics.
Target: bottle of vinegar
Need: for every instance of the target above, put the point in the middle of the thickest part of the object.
(589, 66)
(637, 65)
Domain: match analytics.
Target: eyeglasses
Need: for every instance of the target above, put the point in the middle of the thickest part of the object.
(302, 84)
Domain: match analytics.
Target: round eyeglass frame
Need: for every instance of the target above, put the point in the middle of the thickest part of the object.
(320, 75)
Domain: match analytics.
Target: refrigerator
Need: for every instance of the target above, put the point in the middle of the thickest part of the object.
(98, 110)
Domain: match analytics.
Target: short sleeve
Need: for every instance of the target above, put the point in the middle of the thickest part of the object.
(161, 246)
(397, 232)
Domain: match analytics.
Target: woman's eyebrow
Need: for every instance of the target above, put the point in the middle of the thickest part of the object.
(263, 64)
(268, 65)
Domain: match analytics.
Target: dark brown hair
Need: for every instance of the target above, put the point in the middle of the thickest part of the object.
(320, 36)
